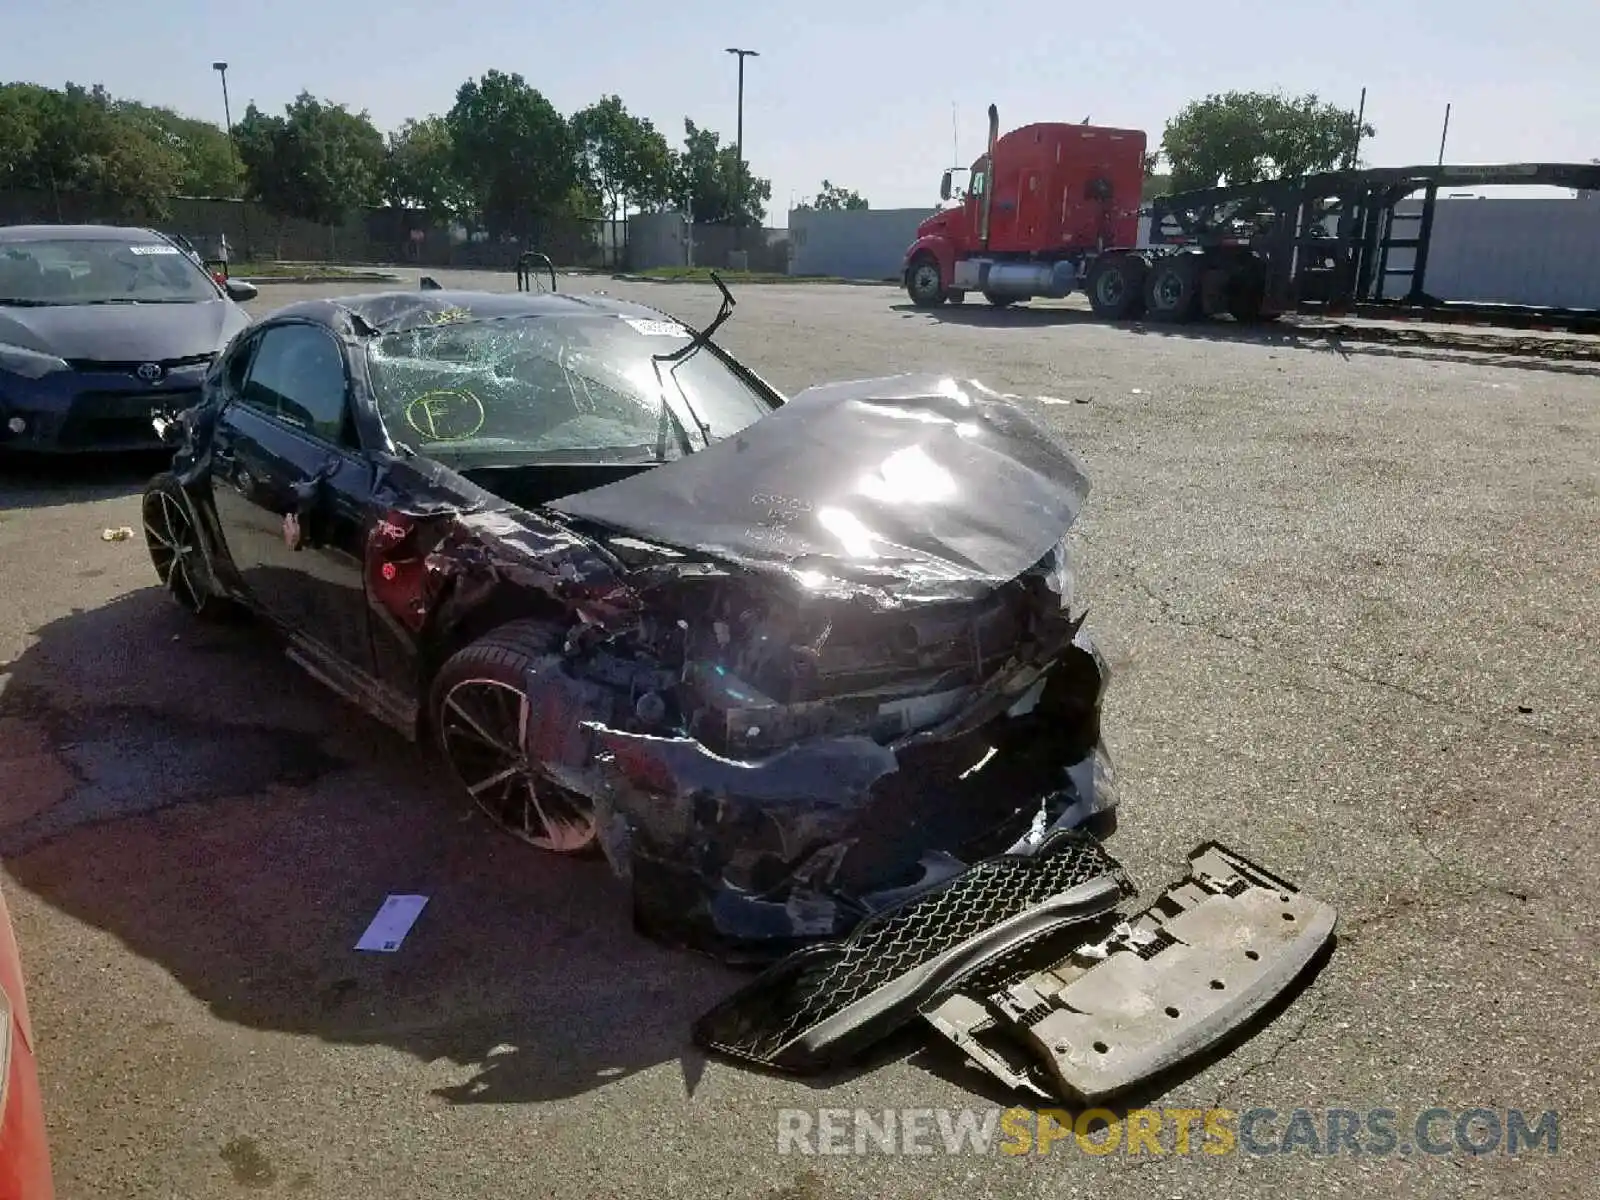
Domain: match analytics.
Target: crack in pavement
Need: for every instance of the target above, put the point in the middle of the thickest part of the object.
(1314, 1005)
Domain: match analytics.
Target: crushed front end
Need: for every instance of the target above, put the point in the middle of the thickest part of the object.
(855, 663)
(806, 771)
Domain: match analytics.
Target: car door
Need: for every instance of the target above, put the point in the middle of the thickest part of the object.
(293, 492)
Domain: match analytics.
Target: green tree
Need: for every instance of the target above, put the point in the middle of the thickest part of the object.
(625, 157)
(318, 161)
(421, 172)
(705, 177)
(76, 140)
(1245, 137)
(833, 198)
(513, 152)
(18, 133)
(209, 167)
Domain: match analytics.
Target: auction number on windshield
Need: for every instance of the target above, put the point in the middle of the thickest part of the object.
(446, 416)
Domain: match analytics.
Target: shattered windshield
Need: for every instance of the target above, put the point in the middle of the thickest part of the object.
(551, 387)
(100, 271)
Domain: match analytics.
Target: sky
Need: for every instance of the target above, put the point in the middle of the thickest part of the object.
(876, 97)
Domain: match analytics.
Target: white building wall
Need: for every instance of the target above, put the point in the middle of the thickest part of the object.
(865, 243)
(1497, 251)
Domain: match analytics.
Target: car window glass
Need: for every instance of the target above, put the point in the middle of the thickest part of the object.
(298, 376)
(567, 387)
(134, 270)
(238, 366)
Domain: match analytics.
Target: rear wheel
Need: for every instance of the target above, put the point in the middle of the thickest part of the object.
(176, 549)
(923, 282)
(999, 301)
(1116, 286)
(1247, 294)
(481, 716)
(1172, 291)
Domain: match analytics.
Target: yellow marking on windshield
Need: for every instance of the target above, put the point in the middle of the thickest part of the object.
(446, 416)
(446, 315)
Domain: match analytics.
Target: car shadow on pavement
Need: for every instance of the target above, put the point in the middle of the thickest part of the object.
(44, 481)
(1499, 348)
(186, 789)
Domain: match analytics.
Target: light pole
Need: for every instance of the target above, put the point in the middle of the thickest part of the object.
(738, 166)
(221, 68)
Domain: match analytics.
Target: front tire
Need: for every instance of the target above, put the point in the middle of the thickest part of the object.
(923, 282)
(480, 715)
(177, 549)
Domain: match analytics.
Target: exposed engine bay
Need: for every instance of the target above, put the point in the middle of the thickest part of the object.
(768, 773)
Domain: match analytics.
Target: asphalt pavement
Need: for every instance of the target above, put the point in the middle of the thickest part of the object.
(1351, 593)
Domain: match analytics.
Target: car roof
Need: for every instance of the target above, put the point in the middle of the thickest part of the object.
(77, 233)
(397, 311)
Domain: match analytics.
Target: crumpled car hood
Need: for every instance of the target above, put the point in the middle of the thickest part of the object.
(124, 332)
(921, 486)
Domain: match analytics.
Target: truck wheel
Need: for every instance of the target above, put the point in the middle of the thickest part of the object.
(1172, 292)
(1244, 305)
(1247, 293)
(923, 284)
(1116, 286)
(999, 301)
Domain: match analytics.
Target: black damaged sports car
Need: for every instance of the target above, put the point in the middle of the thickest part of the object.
(784, 661)
(810, 671)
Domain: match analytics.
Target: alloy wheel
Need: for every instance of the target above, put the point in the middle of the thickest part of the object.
(483, 730)
(175, 549)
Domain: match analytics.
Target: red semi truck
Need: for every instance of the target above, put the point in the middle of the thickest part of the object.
(1052, 208)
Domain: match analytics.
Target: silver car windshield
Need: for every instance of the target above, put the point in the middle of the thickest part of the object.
(81, 271)
(568, 387)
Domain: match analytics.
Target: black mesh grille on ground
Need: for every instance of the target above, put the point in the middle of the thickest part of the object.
(800, 992)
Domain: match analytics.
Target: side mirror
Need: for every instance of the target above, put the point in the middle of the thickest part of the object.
(944, 187)
(241, 291)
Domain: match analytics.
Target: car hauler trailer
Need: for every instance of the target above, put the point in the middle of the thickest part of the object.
(1054, 208)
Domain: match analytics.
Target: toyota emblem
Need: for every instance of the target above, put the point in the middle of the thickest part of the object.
(149, 372)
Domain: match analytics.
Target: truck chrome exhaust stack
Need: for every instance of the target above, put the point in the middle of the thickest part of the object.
(988, 176)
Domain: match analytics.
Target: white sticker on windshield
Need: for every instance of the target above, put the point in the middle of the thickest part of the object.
(154, 249)
(657, 328)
